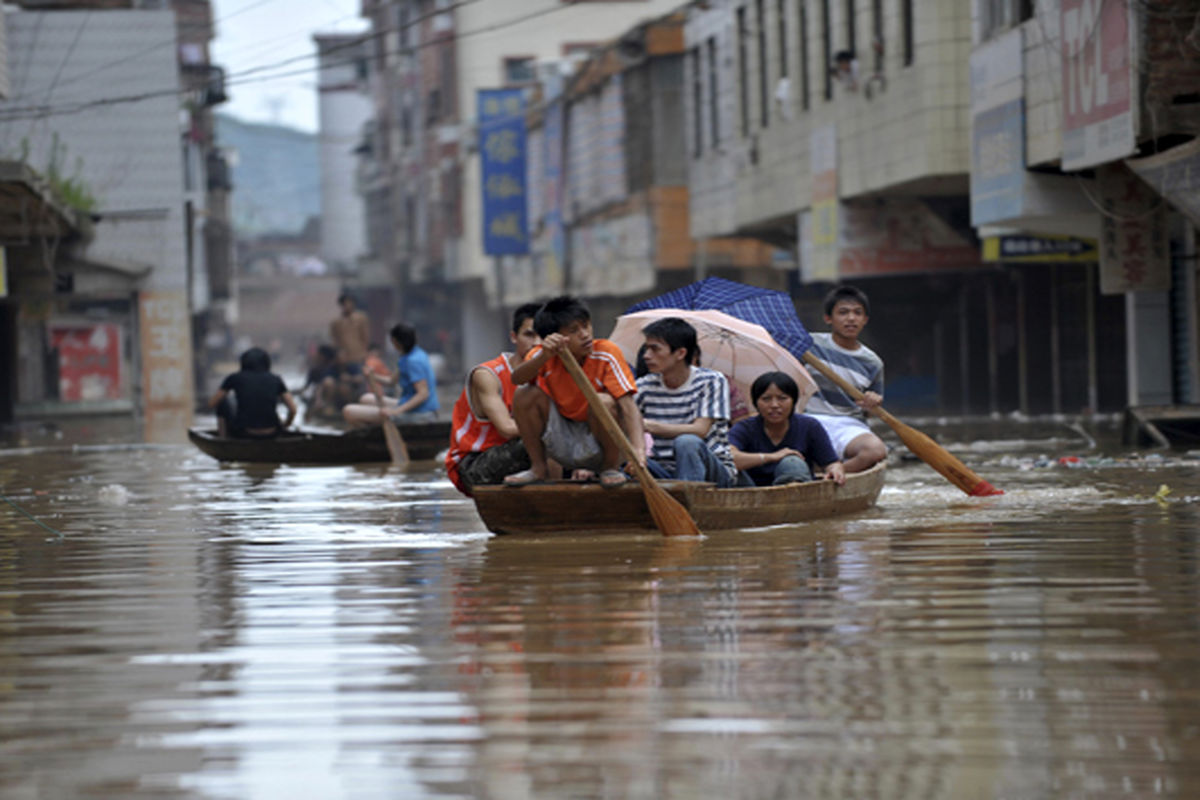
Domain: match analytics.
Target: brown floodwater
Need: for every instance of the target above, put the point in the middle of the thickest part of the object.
(185, 629)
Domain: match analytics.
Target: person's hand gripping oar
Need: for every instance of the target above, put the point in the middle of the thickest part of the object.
(669, 514)
(397, 449)
(925, 448)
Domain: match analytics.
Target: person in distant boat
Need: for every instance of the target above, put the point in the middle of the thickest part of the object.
(844, 420)
(553, 415)
(350, 332)
(247, 400)
(485, 443)
(374, 363)
(685, 408)
(417, 401)
(780, 446)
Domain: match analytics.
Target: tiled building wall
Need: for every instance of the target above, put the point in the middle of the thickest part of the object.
(908, 123)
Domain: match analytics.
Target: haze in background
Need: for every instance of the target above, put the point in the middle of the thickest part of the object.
(254, 34)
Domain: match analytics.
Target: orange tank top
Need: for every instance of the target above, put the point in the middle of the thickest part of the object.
(469, 433)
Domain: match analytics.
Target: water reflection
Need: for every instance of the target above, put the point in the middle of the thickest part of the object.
(266, 631)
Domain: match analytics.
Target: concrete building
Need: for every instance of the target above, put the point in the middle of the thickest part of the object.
(103, 309)
(344, 107)
(434, 58)
(1086, 166)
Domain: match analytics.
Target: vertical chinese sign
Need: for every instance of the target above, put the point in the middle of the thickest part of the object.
(1134, 252)
(552, 186)
(501, 114)
(1098, 86)
(819, 260)
(167, 392)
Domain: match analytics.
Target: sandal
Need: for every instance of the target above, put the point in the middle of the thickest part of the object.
(612, 478)
(525, 477)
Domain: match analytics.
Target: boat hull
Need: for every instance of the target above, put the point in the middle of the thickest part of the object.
(566, 507)
(424, 439)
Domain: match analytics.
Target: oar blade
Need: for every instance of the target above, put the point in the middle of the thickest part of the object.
(669, 514)
(941, 460)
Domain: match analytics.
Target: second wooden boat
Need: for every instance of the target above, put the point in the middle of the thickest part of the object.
(424, 439)
(567, 507)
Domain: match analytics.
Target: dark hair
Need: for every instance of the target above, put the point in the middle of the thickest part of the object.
(345, 295)
(405, 337)
(784, 382)
(256, 360)
(558, 313)
(327, 351)
(639, 363)
(846, 293)
(676, 333)
(524, 312)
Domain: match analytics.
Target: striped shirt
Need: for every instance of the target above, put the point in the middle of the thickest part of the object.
(705, 394)
(861, 368)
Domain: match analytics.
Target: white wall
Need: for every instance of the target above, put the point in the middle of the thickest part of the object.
(343, 107)
(127, 153)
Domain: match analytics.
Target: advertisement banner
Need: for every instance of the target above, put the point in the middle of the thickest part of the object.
(997, 130)
(89, 361)
(1023, 249)
(501, 114)
(895, 236)
(819, 227)
(1134, 251)
(1097, 82)
(166, 349)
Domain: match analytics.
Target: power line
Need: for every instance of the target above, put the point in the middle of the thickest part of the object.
(245, 77)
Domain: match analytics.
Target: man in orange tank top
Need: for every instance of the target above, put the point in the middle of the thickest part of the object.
(485, 444)
(553, 414)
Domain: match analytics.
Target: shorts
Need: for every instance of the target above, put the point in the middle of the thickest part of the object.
(842, 430)
(491, 465)
(571, 443)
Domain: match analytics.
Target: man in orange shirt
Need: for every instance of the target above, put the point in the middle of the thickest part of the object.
(552, 414)
(485, 444)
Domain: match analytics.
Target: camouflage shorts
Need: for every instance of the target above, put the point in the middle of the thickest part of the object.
(490, 466)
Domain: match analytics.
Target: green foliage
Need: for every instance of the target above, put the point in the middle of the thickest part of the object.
(70, 189)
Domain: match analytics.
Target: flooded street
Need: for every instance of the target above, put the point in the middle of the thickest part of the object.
(182, 628)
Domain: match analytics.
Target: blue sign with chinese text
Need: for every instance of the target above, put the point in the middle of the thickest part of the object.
(501, 115)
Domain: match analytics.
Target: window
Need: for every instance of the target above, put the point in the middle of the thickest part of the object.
(802, 25)
(781, 23)
(906, 30)
(743, 68)
(877, 34)
(827, 49)
(697, 102)
(851, 29)
(764, 78)
(519, 70)
(997, 16)
(714, 108)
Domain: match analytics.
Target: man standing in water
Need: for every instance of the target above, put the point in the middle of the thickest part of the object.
(846, 313)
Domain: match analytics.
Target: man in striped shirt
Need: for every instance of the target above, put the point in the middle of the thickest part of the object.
(685, 408)
(846, 312)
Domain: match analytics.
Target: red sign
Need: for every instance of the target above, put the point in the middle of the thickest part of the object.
(89, 362)
(1097, 95)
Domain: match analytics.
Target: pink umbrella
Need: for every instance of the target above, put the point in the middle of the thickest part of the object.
(739, 349)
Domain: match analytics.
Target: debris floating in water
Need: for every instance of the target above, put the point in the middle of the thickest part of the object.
(114, 495)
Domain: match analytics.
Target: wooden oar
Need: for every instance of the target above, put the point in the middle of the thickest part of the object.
(391, 434)
(669, 514)
(925, 448)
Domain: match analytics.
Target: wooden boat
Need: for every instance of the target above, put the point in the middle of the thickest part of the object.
(424, 439)
(563, 506)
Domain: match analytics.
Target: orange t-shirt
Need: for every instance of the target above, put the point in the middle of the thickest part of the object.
(605, 367)
(469, 433)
